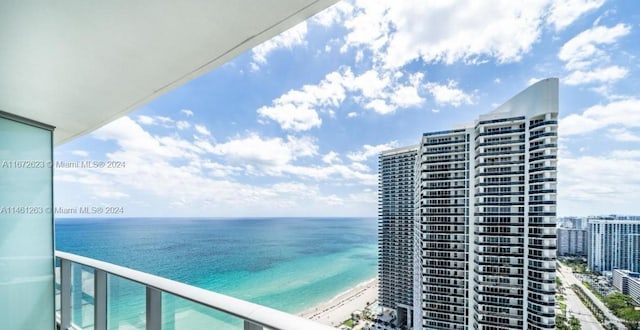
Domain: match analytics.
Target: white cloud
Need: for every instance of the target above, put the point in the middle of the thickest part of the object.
(287, 39)
(255, 150)
(449, 94)
(360, 167)
(603, 75)
(332, 200)
(367, 196)
(218, 170)
(380, 106)
(335, 172)
(371, 150)
(624, 135)
(146, 120)
(186, 112)
(80, 153)
(182, 124)
(626, 154)
(397, 34)
(406, 96)
(621, 113)
(162, 121)
(331, 157)
(583, 50)
(352, 114)
(292, 117)
(587, 61)
(170, 170)
(370, 83)
(563, 13)
(385, 91)
(202, 130)
(296, 109)
(595, 183)
(382, 91)
(333, 14)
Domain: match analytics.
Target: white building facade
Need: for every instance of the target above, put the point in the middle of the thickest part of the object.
(485, 217)
(614, 242)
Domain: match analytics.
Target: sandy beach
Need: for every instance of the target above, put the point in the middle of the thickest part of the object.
(339, 309)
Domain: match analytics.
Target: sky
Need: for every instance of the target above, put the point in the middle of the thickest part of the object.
(294, 127)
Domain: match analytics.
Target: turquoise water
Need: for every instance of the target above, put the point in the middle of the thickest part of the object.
(289, 264)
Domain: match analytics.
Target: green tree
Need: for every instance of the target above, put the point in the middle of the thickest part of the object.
(574, 323)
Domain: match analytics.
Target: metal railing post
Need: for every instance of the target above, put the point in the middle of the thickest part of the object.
(65, 294)
(100, 299)
(154, 309)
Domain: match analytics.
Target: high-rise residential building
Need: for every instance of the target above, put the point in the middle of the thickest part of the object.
(614, 242)
(628, 283)
(572, 242)
(485, 217)
(444, 206)
(395, 233)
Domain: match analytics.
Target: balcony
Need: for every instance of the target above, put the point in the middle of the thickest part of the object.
(81, 299)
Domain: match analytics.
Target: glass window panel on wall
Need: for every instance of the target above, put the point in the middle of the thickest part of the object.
(26, 224)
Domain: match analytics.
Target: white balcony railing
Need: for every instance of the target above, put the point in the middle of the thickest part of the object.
(255, 317)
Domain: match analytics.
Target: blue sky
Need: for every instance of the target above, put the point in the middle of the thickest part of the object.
(294, 126)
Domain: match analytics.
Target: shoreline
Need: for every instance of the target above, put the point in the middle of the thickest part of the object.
(339, 308)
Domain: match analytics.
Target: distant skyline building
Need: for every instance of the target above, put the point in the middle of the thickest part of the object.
(485, 218)
(572, 222)
(614, 243)
(395, 231)
(572, 242)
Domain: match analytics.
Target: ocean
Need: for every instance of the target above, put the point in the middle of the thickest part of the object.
(290, 264)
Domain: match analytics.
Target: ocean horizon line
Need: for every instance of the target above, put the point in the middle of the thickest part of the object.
(240, 218)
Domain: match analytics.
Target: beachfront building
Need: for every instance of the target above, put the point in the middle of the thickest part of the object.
(395, 231)
(572, 242)
(443, 210)
(485, 211)
(614, 242)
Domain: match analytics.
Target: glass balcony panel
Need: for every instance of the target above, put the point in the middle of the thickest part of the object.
(126, 304)
(182, 314)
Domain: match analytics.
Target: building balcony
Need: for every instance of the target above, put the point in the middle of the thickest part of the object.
(83, 294)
